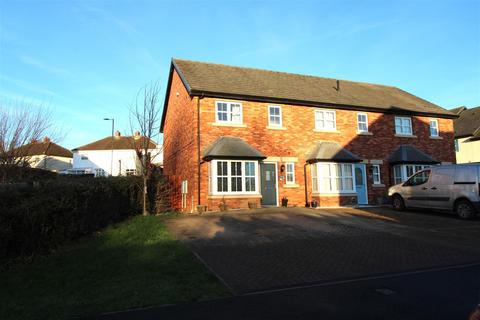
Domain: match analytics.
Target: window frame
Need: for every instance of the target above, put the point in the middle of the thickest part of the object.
(358, 122)
(324, 112)
(401, 118)
(229, 112)
(333, 177)
(436, 127)
(378, 179)
(292, 173)
(213, 177)
(270, 124)
(404, 169)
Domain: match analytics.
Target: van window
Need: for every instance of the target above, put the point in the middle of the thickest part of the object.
(418, 178)
(443, 176)
(465, 174)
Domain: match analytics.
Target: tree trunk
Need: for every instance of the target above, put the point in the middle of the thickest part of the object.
(145, 196)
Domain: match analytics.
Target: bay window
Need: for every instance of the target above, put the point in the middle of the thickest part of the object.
(402, 172)
(234, 177)
(333, 177)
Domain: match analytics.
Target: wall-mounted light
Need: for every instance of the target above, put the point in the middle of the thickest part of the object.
(282, 168)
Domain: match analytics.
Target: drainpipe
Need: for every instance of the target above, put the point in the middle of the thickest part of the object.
(305, 184)
(198, 147)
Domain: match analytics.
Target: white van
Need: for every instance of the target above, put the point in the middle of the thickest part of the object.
(450, 187)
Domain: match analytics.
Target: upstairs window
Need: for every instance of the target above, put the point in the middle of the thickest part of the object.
(362, 122)
(274, 116)
(403, 126)
(228, 112)
(433, 128)
(325, 120)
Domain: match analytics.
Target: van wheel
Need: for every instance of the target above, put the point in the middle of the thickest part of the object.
(464, 209)
(397, 202)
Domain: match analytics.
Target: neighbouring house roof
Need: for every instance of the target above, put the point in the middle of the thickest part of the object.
(468, 124)
(331, 151)
(231, 148)
(405, 154)
(119, 143)
(222, 81)
(44, 147)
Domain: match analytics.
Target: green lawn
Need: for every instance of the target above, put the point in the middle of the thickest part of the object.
(133, 264)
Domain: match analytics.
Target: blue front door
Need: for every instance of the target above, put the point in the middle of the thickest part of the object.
(361, 183)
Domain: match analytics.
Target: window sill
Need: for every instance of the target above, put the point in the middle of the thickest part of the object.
(378, 185)
(362, 133)
(326, 131)
(436, 138)
(234, 196)
(338, 194)
(276, 128)
(220, 124)
(291, 185)
(405, 135)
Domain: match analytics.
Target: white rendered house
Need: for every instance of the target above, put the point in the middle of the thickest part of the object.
(46, 155)
(101, 159)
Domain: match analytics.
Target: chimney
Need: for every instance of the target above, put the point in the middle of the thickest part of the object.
(46, 140)
(117, 134)
(137, 135)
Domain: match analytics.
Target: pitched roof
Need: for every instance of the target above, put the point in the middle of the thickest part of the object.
(119, 143)
(331, 151)
(218, 80)
(406, 153)
(44, 147)
(231, 148)
(468, 124)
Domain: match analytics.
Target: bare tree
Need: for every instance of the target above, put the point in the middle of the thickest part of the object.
(22, 123)
(145, 127)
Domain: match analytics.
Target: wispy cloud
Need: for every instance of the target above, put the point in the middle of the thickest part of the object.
(34, 62)
(26, 85)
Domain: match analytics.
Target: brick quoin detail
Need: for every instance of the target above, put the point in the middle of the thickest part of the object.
(296, 140)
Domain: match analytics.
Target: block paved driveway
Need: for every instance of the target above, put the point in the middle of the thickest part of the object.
(274, 248)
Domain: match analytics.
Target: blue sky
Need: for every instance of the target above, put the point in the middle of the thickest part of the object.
(86, 60)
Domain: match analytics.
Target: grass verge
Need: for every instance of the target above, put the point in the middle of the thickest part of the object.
(129, 265)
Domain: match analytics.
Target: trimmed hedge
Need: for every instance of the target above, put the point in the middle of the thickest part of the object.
(38, 219)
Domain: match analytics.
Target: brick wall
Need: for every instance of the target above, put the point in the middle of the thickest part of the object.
(295, 141)
(180, 140)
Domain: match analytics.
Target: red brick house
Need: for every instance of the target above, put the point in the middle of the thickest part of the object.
(241, 135)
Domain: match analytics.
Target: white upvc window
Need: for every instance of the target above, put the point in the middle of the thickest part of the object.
(234, 177)
(403, 171)
(335, 177)
(325, 120)
(376, 174)
(228, 112)
(362, 122)
(290, 173)
(403, 126)
(433, 128)
(274, 116)
(314, 177)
